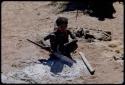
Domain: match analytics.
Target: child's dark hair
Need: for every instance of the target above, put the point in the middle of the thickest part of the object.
(61, 20)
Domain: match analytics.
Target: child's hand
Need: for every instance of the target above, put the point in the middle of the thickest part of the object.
(73, 41)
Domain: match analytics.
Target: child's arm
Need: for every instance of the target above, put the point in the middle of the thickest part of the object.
(47, 37)
(51, 35)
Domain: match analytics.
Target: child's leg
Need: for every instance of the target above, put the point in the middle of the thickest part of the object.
(70, 47)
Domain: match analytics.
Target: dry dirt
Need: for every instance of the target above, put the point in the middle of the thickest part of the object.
(30, 20)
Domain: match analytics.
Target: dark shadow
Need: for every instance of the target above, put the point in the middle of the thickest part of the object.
(55, 64)
(96, 8)
(76, 5)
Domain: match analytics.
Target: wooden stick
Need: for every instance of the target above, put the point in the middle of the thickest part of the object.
(43, 47)
(89, 67)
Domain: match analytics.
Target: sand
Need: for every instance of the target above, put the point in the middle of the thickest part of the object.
(32, 20)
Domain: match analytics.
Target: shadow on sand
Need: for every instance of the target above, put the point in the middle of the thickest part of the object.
(95, 8)
(56, 64)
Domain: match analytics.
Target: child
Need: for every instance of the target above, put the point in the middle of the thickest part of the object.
(59, 39)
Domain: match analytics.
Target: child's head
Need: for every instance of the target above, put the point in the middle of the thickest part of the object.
(62, 23)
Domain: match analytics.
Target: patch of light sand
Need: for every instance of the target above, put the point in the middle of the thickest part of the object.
(41, 73)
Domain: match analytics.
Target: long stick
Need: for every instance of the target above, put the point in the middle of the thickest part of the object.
(89, 67)
(43, 47)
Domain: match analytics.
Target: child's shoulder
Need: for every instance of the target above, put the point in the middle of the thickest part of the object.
(69, 30)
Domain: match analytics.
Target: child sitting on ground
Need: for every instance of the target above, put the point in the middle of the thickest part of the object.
(59, 39)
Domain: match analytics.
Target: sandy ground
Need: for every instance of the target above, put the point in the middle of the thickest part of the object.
(30, 20)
